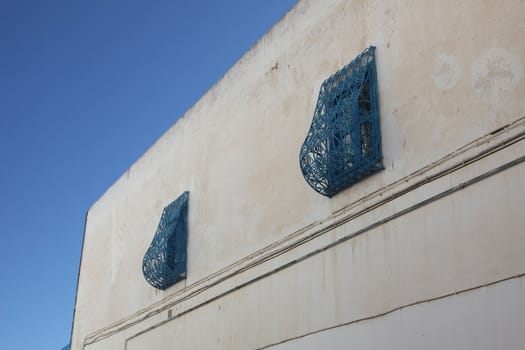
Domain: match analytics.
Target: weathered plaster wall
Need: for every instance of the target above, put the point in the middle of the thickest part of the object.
(458, 322)
(449, 73)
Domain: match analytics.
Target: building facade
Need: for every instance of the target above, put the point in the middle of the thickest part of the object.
(426, 253)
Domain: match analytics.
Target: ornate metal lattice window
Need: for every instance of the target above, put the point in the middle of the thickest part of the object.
(343, 144)
(164, 263)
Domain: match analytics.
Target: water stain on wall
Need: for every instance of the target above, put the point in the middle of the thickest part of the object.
(494, 75)
(446, 72)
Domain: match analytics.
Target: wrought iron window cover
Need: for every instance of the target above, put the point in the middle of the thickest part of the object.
(343, 144)
(164, 263)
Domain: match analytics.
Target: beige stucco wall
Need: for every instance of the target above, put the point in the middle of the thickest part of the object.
(449, 73)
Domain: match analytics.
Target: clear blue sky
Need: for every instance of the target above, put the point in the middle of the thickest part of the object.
(85, 88)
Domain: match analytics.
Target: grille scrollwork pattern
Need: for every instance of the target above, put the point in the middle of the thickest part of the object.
(164, 263)
(343, 144)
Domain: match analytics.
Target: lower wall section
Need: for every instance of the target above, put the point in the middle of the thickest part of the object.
(391, 286)
(490, 317)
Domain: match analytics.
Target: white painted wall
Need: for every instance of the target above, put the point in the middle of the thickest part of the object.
(485, 319)
(268, 258)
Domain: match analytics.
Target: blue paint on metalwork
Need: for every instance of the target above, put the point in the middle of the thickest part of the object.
(164, 263)
(343, 144)
(67, 347)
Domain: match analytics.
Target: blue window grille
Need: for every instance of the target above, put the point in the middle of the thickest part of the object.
(343, 144)
(164, 263)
